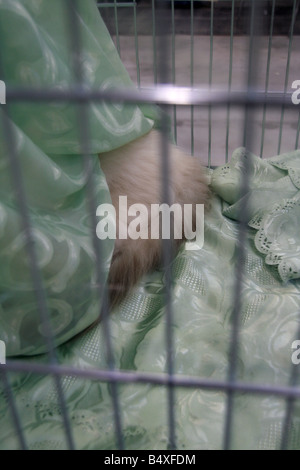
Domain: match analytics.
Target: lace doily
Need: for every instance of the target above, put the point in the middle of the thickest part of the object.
(278, 237)
(273, 205)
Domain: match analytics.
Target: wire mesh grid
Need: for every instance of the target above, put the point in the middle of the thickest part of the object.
(165, 89)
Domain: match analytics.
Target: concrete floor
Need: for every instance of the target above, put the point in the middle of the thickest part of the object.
(205, 132)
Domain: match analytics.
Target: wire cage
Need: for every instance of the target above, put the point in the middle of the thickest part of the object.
(224, 73)
(204, 51)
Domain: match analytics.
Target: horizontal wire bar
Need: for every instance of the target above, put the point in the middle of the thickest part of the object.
(118, 5)
(162, 94)
(151, 378)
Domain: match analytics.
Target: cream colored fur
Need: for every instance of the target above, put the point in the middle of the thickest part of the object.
(135, 171)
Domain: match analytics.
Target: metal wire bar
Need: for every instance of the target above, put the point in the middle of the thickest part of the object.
(154, 41)
(294, 14)
(83, 126)
(297, 135)
(250, 69)
(211, 52)
(136, 43)
(161, 94)
(242, 237)
(117, 26)
(37, 281)
(129, 377)
(35, 273)
(174, 68)
(167, 250)
(115, 3)
(192, 76)
(167, 245)
(8, 393)
(267, 75)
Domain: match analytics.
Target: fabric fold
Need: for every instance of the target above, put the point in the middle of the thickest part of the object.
(36, 54)
(272, 205)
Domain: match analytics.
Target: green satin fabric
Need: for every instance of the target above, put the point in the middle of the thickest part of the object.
(202, 304)
(204, 279)
(273, 205)
(36, 53)
(40, 56)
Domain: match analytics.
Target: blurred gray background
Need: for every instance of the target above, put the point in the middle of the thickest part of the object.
(201, 51)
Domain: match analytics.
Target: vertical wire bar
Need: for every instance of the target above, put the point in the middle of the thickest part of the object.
(297, 135)
(117, 27)
(35, 273)
(210, 81)
(136, 43)
(192, 77)
(250, 68)
(294, 14)
(167, 247)
(167, 263)
(154, 42)
(174, 68)
(290, 404)
(267, 76)
(12, 405)
(75, 39)
(242, 237)
(37, 282)
(230, 77)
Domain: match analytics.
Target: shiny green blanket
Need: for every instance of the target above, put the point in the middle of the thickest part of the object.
(202, 307)
(47, 141)
(203, 289)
